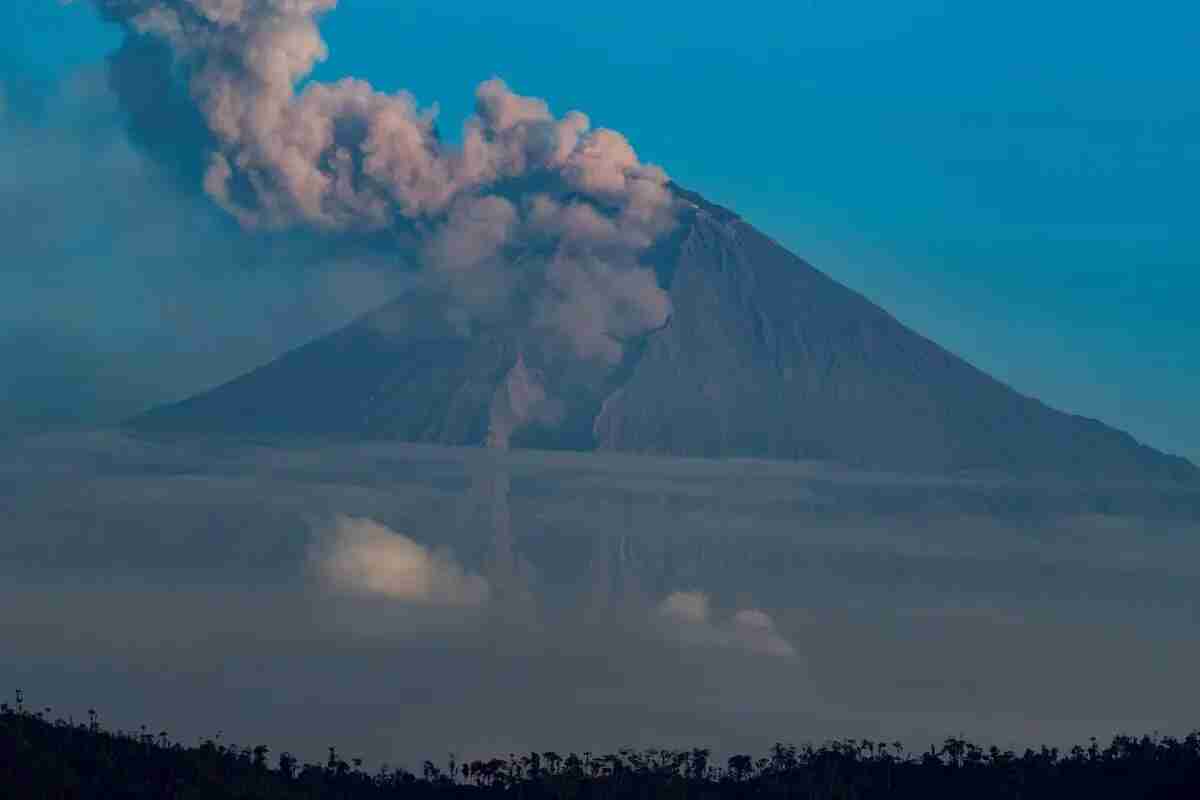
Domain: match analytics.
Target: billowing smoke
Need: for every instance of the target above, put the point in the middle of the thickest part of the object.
(535, 219)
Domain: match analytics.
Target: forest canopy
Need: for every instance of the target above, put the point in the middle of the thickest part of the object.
(44, 757)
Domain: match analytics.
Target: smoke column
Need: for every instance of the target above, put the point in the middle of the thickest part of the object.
(520, 398)
(536, 219)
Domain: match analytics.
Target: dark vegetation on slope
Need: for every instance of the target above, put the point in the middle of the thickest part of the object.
(47, 760)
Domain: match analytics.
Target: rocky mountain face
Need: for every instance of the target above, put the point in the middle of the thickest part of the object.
(764, 356)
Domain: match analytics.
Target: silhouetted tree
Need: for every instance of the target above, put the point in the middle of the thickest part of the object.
(56, 759)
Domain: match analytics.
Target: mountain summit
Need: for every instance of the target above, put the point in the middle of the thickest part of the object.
(763, 356)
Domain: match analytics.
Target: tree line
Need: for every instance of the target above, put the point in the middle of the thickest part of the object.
(55, 759)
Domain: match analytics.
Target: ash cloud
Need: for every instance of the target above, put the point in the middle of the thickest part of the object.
(533, 217)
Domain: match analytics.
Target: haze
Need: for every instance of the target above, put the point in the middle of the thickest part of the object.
(352, 399)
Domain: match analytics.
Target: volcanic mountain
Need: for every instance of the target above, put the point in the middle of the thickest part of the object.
(763, 356)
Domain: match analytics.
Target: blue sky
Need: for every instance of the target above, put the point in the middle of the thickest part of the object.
(1016, 182)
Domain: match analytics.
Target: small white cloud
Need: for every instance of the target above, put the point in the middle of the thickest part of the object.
(362, 557)
(751, 630)
(689, 607)
(755, 631)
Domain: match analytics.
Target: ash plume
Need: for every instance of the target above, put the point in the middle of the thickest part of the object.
(521, 398)
(534, 219)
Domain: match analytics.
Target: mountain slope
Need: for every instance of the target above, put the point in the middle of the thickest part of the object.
(764, 356)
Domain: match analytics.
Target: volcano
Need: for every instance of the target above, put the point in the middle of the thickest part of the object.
(764, 356)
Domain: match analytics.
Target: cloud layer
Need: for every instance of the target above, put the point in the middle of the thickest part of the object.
(173, 579)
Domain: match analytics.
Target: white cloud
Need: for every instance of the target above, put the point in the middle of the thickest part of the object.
(690, 620)
(686, 607)
(360, 556)
(755, 630)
